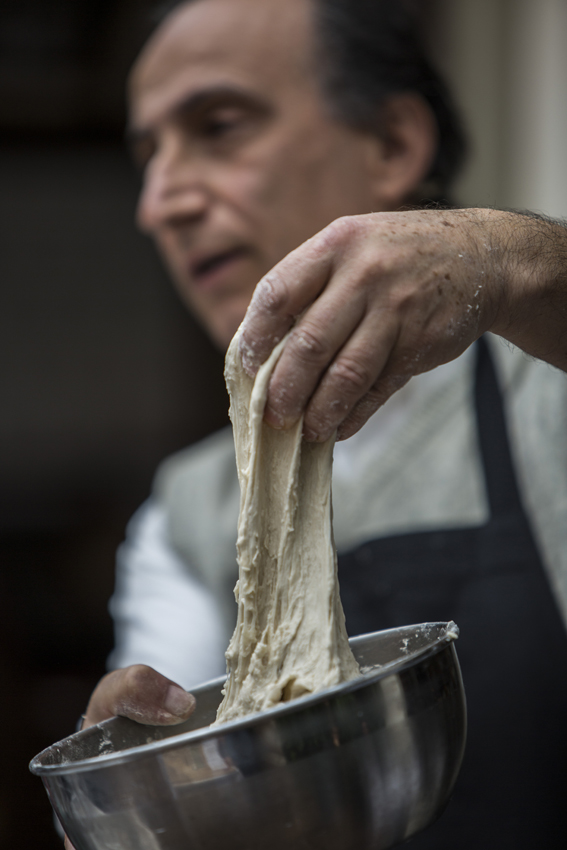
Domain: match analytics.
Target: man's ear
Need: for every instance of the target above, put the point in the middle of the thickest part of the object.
(407, 147)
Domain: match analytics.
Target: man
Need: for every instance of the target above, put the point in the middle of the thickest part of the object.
(270, 155)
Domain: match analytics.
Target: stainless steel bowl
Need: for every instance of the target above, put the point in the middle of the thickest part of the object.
(361, 765)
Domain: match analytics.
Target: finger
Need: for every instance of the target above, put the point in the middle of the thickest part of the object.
(142, 694)
(282, 295)
(369, 404)
(67, 844)
(406, 360)
(311, 346)
(351, 376)
(410, 355)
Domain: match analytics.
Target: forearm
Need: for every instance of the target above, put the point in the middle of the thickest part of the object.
(531, 258)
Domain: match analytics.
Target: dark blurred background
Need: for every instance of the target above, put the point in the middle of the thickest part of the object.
(97, 371)
(98, 379)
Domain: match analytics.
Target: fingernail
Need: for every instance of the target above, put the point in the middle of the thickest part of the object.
(178, 702)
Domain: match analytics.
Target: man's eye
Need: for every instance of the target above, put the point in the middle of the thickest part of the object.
(222, 122)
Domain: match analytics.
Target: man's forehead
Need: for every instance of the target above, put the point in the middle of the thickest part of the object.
(219, 42)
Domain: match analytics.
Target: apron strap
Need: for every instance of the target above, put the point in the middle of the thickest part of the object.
(499, 476)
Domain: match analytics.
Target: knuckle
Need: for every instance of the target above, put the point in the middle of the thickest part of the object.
(282, 400)
(140, 692)
(366, 279)
(398, 299)
(308, 344)
(385, 387)
(139, 679)
(323, 419)
(339, 230)
(351, 372)
(272, 293)
(361, 413)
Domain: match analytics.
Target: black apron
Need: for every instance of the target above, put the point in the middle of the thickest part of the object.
(512, 790)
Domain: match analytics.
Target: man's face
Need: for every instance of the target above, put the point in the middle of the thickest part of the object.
(242, 162)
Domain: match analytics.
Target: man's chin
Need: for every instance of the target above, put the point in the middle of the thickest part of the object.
(220, 317)
(221, 328)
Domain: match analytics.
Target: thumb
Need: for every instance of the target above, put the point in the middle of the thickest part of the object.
(139, 693)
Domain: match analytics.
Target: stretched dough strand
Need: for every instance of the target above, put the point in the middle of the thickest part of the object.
(290, 637)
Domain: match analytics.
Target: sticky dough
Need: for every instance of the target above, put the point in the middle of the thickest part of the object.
(290, 637)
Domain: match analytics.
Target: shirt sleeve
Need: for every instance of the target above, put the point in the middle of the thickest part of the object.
(164, 617)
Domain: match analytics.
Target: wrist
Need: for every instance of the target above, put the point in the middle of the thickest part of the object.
(528, 257)
(486, 235)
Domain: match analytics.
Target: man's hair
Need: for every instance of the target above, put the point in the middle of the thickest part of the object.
(369, 50)
(373, 49)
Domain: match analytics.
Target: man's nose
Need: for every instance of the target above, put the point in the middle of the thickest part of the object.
(173, 191)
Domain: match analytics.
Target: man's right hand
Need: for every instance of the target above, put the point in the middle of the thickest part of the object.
(375, 299)
(140, 693)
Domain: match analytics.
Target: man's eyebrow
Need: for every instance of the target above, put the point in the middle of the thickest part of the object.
(202, 100)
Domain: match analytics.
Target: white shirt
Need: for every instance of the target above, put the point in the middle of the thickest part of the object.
(167, 618)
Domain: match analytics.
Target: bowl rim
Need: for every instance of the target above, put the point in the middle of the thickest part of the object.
(448, 632)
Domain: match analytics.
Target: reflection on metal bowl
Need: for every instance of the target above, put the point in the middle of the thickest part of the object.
(362, 765)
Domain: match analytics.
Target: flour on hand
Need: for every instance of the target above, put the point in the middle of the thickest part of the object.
(290, 637)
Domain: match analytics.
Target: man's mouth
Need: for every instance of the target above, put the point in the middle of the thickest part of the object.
(204, 269)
